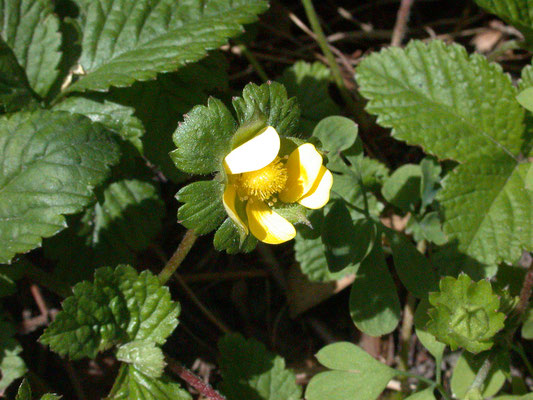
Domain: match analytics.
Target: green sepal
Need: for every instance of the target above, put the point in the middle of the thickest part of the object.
(203, 210)
(228, 238)
(465, 314)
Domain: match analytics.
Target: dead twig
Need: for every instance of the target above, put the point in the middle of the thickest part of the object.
(400, 26)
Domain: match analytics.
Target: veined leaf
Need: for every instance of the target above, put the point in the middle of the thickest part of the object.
(143, 355)
(125, 41)
(31, 29)
(50, 163)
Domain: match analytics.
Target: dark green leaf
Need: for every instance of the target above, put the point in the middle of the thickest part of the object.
(15, 91)
(402, 188)
(429, 185)
(227, 238)
(12, 366)
(429, 341)
(515, 12)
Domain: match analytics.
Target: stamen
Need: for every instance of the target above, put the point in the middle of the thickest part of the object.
(263, 183)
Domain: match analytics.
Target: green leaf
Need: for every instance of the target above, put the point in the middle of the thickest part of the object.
(467, 367)
(7, 285)
(204, 138)
(429, 185)
(202, 210)
(525, 98)
(336, 134)
(227, 238)
(527, 327)
(426, 394)
(429, 341)
(374, 303)
(24, 392)
(355, 375)
(487, 208)
(12, 366)
(123, 222)
(120, 306)
(31, 29)
(51, 161)
(515, 12)
(450, 261)
(271, 100)
(437, 96)
(115, 117)
(402, 188)
(133, 384)
(428, 228)
(15, 91)
(145, 356)
(250, 372)
(124, 41)
(465, 314)
(309, 84)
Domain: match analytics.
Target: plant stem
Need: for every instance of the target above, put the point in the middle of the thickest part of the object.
(482, 373)
(401, 22)
(527, 288)
(196, 382)
(406, 332)
(179, 255)
(253, 61)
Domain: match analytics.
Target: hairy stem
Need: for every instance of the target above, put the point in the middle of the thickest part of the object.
(195, 381)
(253, 61)
(482, 373)
(179, 255)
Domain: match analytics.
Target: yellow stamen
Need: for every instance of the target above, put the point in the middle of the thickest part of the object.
(265, 182)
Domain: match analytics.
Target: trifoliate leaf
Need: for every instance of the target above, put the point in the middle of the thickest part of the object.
(149, 37)
(51, 162)
(515, 12)
(133, 384)
(355, 375)
(429, 228)
(465, 314)
(145, 356)
(251, 372)
(204, 138)
(202, 210)
(12, 366)
(123, 222)
(115, 117)
(402, 188)
(309, 84)
(120, 306)
(15, 91)
(228, 239)
(271, 100)
(31, 29)
(437, 96)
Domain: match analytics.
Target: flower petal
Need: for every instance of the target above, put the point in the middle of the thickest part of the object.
(228, 199)
(254, 154)
(318, 195)
(267, 225)
(303, 167)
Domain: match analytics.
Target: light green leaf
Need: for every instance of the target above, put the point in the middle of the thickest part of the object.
(337, 134)
(355, 375)
(374, 303)
(133, 384)
(204, 138)
(12, 366)
(402, 188)
(437, 96)
(115, 117)
(527, 327)
(487, 208)
(518, 13)
(51, 162)
(120, 306)
(426, 394)
(525, 98)
(15, 91)
(429, 341)
(227, 238)
(309, 84)
(429, 185)
(467, 367)
(251, 372)
(31, 29)
(145, 356)
(124, 42)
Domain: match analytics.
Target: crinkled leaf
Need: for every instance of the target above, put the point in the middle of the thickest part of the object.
(12, 366)
(309, 84)
(31, 29)
(355, 375)
(120, 306)
(251, 372)
(202, 210)
(126, 41)
(50, 163)
(203, 139)
(227, 238)
(518, 13)
(465, 314)
(145, 356)
(402, 188)
(15, 91)
(435, 95)
(117, 118)
(133, 384)
(428, 340)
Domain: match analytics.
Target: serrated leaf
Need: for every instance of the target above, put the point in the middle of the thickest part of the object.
(15, 91)
(402, 188)
(51, 162)
(465, 314)
(374, 303)
(31, 29)
(251, 372)
(12, 366)
(124, 41)
(115, 117)
(145, 356)
(228, 239)
(202, 210)
(435, 95)
(355, 374)
(515, 12)
(309, 84)
(204, 138)
(271, 100)
(120, 306)
(133, 384)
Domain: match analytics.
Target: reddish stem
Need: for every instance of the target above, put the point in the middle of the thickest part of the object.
(195, 381)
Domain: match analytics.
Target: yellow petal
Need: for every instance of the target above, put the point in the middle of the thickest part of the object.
(318, 196)
(228, 199)
(303, 167)
(254, 154)
(267, 225)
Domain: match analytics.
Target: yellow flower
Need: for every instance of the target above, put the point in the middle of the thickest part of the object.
(258, 177)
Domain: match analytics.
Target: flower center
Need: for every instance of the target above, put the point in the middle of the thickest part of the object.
(263, 183)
